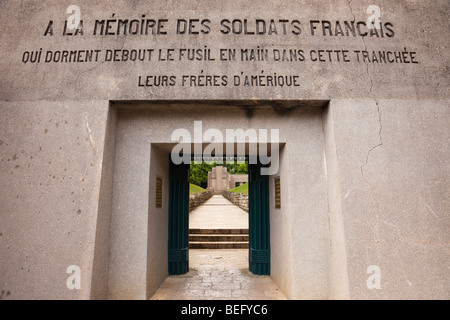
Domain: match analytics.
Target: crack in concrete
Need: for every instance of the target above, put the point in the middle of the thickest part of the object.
(351, 9)
(81, 73)
(98, 64)
(401, 236)
(374, 147)
(427, 208)
(91, 140)
(367, 68)
(396, 250)
(365, 46)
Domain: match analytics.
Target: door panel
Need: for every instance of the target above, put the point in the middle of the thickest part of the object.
(259, 222)
(178, 219)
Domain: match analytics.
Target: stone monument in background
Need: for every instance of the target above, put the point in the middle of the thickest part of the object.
(220, 180)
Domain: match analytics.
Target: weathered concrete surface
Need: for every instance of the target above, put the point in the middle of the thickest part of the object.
(418, 26)
(365, 180)
(51, 159)
(393, 166)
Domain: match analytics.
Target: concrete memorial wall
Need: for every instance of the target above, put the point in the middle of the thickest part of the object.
(91, 92)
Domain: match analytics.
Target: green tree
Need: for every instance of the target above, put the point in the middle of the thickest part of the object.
(235, 168)
(199, 173)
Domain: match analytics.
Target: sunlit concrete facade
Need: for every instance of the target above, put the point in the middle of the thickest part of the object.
(87, 116)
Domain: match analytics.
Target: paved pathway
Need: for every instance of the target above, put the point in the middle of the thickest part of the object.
(218, 274)
(218, 213)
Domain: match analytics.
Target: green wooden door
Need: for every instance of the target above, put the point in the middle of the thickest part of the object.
(178, 219)
(259, 223)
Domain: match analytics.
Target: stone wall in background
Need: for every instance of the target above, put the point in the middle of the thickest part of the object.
(198, 199)
(239, 199)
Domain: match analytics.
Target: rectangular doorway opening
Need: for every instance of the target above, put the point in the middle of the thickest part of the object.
(220, 218)
(218, 212)
(137, 238)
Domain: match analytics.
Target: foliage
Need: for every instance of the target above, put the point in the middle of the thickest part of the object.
(235, 168)
(243, 188)
(199, 172)
(193, 189)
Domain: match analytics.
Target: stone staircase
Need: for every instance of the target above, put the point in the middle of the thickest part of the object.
(218, 238)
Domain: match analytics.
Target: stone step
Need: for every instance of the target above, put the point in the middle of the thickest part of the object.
(218, 237)
(218, 245)
(218, 231)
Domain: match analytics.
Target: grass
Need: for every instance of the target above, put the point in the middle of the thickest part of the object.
(193, 189)
(243, 188)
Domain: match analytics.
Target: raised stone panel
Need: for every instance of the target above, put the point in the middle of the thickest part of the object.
(86, 117)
